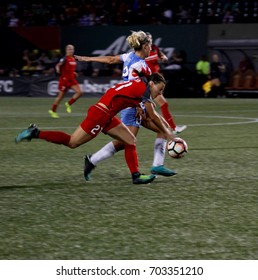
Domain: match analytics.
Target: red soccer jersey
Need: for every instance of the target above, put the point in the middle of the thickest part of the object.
(68, 67)
(124, 95)
(153, 59)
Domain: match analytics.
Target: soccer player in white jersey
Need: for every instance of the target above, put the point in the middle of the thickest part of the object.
(134, 66)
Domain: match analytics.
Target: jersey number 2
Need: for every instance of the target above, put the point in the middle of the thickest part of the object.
(95, 129)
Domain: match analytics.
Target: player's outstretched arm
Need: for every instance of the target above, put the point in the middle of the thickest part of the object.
(109, 59)
(156, 119)
(163, 57)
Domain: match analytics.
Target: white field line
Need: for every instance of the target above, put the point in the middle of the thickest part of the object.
(246, 120)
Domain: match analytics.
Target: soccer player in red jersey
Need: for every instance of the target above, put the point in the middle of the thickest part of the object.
(153, 62)
(101, 117)
(134, 64)
(155, 55)
(66, 68)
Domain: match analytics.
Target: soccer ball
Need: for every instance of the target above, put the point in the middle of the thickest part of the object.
(177, 148)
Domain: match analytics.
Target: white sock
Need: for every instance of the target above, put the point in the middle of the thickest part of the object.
(159, 151)
(106, 152)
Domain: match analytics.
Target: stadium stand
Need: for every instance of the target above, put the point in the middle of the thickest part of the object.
(105, 12)
(62, 13)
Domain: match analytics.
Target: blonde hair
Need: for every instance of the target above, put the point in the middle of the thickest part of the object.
(137, 39)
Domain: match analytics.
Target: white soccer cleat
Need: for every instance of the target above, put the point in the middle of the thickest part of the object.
(179, 129)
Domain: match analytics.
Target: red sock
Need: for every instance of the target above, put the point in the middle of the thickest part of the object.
(54, 106)
(168, 117)
(57, 137)
(131, 158)
(71, 101)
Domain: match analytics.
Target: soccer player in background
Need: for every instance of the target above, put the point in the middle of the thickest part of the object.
(102, 117)
(66, 67)
(134, 65)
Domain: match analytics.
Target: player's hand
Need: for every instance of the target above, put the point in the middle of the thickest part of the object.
(76, 74)
(164, 58)
(140, 113)
(170, 135)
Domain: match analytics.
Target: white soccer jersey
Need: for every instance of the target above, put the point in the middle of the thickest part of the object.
(134, 66)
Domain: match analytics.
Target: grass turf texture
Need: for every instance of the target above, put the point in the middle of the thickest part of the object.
(207, 211)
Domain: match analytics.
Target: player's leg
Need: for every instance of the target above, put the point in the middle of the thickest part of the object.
(160, 143)
(158, 167)
(119, 145)
(106, 152)
(162, 102)
(77, 95)
(78, 138)
(88, 129)
(128, 118)
(57, 101)
(122, 133)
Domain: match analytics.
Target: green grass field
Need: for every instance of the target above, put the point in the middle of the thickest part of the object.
(207, 211)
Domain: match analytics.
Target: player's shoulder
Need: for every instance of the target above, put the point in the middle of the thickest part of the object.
(62, 59)
(126, 56)
(136, 60)
(147, 94)
(140, 65)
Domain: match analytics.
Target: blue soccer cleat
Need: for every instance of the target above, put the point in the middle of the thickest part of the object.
(88, 167)
(139, 178)
(27, 134)
(163, 171)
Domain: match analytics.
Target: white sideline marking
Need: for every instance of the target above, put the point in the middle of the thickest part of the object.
(247, 121)
(222, 124)
(14, 115)
(42, 127)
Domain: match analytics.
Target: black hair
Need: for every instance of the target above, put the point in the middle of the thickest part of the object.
(157, 78)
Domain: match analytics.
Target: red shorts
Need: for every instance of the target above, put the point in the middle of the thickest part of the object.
(97, 120)
(66, 83)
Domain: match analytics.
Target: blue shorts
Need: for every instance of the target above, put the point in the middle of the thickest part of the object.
(128, 117)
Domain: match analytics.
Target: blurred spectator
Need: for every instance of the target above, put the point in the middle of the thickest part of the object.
(228, 17)
(95, 12)
(177, 61)
(13, 21)
(183, 15)
(202, 73)
(14, 73)
(203, 66)
(215, 86)
(37, 62)
(167, 15)
(245, 64)
(3, 71)
(52, 20)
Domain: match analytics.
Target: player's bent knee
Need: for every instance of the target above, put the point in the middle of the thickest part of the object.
(79, 93)
(118, 145)
(73, 145)
(132, 141)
